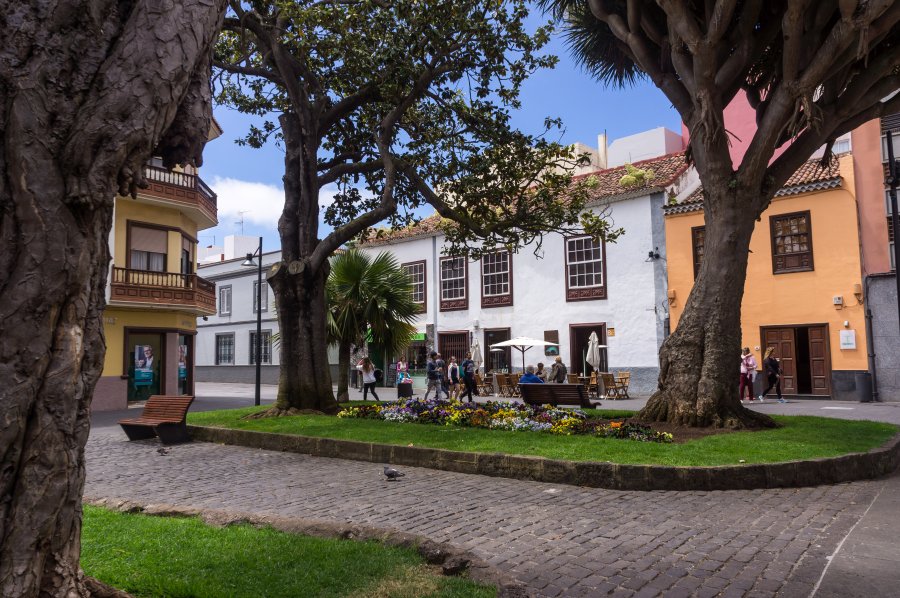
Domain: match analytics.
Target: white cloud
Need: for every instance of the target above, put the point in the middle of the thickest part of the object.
(260, 203)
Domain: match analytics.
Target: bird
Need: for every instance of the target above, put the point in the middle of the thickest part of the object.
(162, 451)
(392, 474)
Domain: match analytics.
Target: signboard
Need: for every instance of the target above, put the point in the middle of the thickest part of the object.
(143, 365)
(848, 339)
(551, 336)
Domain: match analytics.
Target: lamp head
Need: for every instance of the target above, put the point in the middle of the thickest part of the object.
(249, 261)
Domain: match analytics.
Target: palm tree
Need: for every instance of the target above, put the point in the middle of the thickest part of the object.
(366, 294)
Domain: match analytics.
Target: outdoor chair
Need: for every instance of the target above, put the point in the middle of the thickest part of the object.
(572, 379)
(623, 380)
(610, 390)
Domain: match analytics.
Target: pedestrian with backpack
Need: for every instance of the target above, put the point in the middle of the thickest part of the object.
(468, 378)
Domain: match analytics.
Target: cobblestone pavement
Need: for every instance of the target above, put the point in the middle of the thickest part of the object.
(560, 540)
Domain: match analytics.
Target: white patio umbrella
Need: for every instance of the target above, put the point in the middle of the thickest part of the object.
(522, 344)
(475, 350)
(593, 351)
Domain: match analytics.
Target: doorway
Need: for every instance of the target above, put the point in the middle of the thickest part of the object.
(453, 344)
(804, 355)
(578, 343)
(499, 359)
(145, 359)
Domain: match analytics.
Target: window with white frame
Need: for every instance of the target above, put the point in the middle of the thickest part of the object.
(496, 279)
(453, 283)
(225, 300)
(266, 357)
(264, 297)
(416, 273)
(225, 349)
(585, 269)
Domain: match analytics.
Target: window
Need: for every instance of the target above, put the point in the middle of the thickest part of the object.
(225, 349)
(187, 256)
(496, 279)
(698, 242)
(264, 297)
(453, 283)
(585, 257)
(147, 248)
(416, 273)
(266, 347)
(225, 300)
(791, 243)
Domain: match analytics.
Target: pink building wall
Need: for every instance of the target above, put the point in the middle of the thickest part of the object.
(867, 162)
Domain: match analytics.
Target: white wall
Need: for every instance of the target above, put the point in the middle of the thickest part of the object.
(539, 292)
(642, 146)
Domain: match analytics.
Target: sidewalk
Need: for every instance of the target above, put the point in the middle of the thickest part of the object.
(242, 395)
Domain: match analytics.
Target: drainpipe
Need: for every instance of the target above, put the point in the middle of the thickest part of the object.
(870, 344)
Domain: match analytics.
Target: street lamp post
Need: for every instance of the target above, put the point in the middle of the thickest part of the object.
(258, 348)
(893, 180)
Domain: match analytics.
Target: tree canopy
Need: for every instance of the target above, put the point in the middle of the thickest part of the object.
(401, 104)
(812, 71)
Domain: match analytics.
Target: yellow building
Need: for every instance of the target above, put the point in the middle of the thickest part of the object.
(803, 294)
(154, 295)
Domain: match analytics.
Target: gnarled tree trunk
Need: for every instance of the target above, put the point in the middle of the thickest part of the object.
(343, 385)
(87, 91)
(700, 361)
(305, 375)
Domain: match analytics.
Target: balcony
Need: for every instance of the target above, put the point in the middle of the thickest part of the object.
(187, 191)
(141, 288)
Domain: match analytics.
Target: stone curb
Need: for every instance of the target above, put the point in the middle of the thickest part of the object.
(453, 561)
(789, 474)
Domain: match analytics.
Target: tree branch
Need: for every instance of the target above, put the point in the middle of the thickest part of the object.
(341, 170)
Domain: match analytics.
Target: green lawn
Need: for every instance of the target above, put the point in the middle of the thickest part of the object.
(184, 558)
(800, 437)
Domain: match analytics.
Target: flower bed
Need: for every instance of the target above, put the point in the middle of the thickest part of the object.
(504, 415)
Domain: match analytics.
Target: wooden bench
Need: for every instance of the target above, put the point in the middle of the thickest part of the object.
(163, 416)
(555, 394)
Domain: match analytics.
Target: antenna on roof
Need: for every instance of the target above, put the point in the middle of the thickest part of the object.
(241, 221)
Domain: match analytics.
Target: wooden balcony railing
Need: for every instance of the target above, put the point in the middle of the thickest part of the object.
(180, 187)
(171, 289)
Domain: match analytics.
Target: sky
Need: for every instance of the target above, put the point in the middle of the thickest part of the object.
(248, 181)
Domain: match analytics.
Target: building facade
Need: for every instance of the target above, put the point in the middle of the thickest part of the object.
(803, 293)
(561, 291)
(226, 338)
(154, 295)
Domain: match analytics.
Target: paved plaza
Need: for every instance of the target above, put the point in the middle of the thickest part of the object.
(560, 540)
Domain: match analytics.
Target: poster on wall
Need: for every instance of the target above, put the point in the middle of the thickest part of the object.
(551, 336)
(182, 362)
(143, 365)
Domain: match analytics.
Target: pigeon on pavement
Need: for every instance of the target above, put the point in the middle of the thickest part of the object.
(392, 474)
(162, 451)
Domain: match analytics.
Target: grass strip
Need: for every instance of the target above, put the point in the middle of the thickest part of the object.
(800, 437)
(185, 558)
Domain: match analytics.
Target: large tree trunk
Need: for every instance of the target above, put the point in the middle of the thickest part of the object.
(343, 385)
(305, 378)
(700, 361)
(87, 91)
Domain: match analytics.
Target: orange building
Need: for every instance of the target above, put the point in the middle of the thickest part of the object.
(803, 294)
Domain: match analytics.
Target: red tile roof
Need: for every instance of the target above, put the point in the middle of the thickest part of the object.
(605, 185)
(811, 176)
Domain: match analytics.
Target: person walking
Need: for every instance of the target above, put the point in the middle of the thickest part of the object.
(748, 369)
(468, 378)
(433, 371)
(454, 378)
(368, 377)
(773, 374)
(558, 371)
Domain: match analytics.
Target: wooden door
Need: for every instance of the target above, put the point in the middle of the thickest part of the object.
(455, 344)
(819, 360)
(783, 339)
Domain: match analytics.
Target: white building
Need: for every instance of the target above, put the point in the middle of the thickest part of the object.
(225, 340)
(562, 292)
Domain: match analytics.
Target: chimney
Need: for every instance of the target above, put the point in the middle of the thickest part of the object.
(601, 150)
